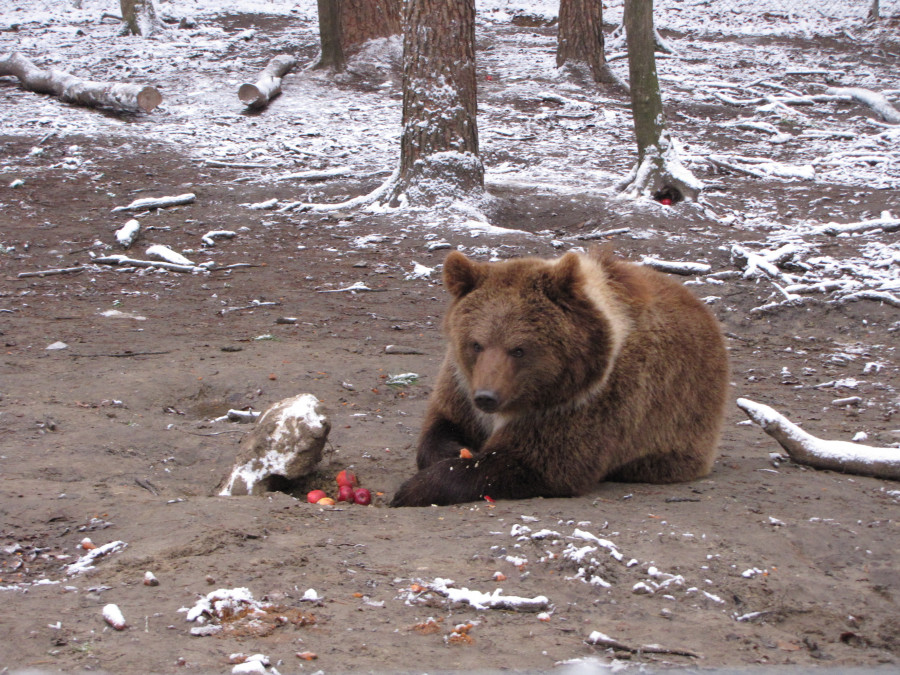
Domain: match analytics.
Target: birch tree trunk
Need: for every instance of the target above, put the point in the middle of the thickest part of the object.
(268, 84)
(139, 17)
(658, 173)
(439, 142)
(67, 87)
(345, 25)
(580, 39)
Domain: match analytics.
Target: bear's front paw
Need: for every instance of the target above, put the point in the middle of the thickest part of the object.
(411, 493)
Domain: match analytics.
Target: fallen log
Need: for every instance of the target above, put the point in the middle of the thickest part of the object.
(804, 448)
(72, 89)
(268, 83)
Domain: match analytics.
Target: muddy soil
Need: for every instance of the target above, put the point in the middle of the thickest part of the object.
(111, 438)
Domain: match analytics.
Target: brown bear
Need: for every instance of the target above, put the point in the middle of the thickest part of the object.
(562, 373)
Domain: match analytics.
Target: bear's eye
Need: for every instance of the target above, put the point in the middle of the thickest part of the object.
(517, 353)
(477, 348)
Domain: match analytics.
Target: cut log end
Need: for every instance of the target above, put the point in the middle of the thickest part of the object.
(251, 96)
(148, 99)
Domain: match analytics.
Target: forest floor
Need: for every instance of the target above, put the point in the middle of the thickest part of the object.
(762, 563)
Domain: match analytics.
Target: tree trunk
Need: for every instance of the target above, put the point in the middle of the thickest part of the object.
(130, 97)
(330, 33)
(658, 173)
(580, 39)
(139, 17)
(439, 141)
(874, 11)
(345, 25)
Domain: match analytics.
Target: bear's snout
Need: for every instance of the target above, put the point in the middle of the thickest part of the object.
(486, 400)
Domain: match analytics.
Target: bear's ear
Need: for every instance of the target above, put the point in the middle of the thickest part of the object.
(563, 279)
(461, 275)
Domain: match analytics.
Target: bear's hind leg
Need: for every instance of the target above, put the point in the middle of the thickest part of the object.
(671, 467)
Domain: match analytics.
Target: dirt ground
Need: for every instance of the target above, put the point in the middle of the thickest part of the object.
(111, 438)
(763, 563)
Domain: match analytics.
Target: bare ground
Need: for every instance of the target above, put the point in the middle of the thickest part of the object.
(111, 439)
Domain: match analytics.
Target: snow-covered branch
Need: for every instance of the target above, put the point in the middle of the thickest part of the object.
(804, 448)
(873, 99)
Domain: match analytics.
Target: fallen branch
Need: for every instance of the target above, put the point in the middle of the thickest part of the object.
(353, 288)
(683, 268)
(495, 600)
(804, 448)
(157, 202)
(874, 100)
(599, 639)
(362, 200)
(886, 222)
(268, 83)
(762, 168)
(67, 87)
(51, 272)
(324, 174)
(125, 260)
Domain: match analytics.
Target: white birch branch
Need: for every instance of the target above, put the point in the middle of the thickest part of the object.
(874, 100)
(804, 448)
(683, 268)
(886, 222)
(125, 260)
(157, 202)
(268, 83)
(72, 89)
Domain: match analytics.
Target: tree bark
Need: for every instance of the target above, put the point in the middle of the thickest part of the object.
(658, 173)
(439, 141)
(330, 35)
(268, 84)
(345, 25)
(139, 17)
(580, 39)
(67, 87)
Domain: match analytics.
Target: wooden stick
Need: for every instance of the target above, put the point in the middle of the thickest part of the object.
(67, 87)
(157, 202)
(47, 273)
(598, 639)
(268, 84)
(804, 448)
(125, 260)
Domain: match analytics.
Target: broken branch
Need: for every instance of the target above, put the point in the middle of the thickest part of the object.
(599, 639)
(804, 448)
(157, 202)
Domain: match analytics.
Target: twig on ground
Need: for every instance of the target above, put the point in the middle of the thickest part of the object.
(599, 639)
(50, 272)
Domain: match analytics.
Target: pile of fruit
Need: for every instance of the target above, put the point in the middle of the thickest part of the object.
(348, 491)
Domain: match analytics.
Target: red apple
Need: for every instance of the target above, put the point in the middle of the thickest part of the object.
(345, 494)
(314, 496)
(347, 478)
(362, 496)
(666, 201)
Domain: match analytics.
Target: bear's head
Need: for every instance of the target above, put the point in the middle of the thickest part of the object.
(529, 334)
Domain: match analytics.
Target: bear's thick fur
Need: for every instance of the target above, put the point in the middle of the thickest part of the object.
(562, 373)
